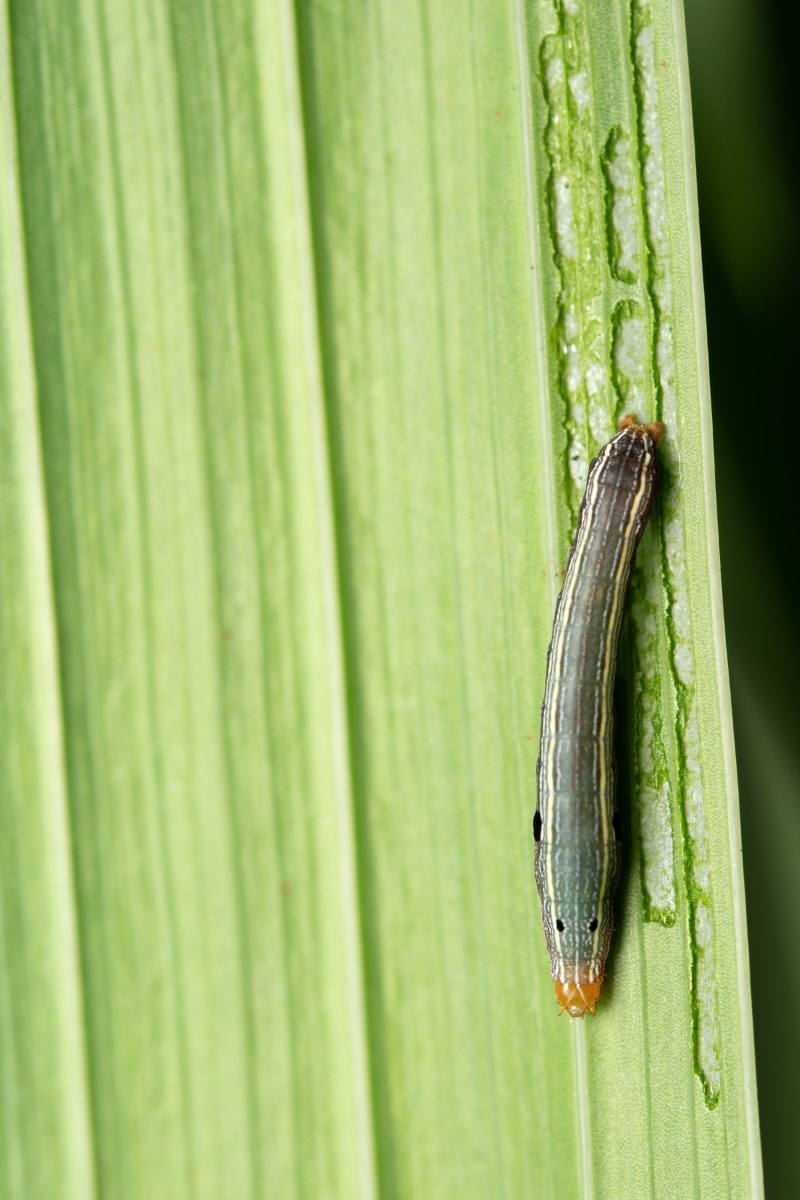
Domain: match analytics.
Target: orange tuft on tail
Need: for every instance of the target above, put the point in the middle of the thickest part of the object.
(656, 429)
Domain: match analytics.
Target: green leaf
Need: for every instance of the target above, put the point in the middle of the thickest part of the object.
(312, 319)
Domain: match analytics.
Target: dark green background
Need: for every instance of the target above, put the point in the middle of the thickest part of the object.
(743, 62)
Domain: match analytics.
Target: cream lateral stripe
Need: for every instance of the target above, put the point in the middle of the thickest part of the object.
(576, 827)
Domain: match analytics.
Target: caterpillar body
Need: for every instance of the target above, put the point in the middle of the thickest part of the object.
(577, 827)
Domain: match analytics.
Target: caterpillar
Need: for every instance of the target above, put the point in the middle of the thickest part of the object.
(577, 828)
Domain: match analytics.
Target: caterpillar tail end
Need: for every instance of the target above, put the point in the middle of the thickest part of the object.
(577, 998)
(656, 429)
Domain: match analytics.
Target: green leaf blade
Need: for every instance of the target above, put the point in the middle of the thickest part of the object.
(311, 455)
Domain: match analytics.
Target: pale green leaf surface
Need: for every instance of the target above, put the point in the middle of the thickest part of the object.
(45, 1140)
(280, 365)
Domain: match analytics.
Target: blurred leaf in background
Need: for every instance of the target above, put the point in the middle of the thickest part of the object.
(743, 70)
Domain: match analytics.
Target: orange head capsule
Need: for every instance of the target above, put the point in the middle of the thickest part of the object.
(576, 997)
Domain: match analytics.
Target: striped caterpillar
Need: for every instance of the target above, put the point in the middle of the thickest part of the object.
(577, 826)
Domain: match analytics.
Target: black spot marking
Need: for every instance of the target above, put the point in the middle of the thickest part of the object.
(537, 826)
(593, 925)
(560, 925)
